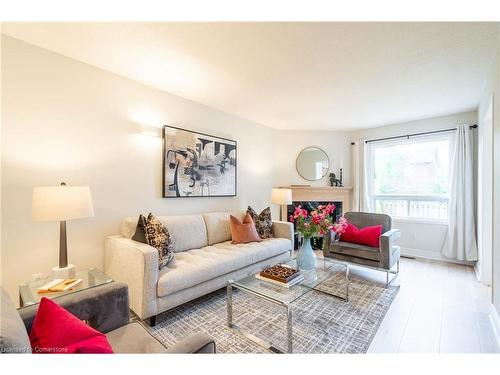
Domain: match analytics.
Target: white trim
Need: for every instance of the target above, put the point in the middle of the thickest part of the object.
(444, 223)
(495, 325)
(429, 254)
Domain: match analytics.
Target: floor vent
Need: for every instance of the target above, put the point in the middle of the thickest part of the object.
(407, 257)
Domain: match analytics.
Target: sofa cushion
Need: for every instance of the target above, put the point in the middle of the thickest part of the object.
(355, 250)
(134, 338)
(217, 224)
(195, 266)
(243, 232)
(158, 237)
(128, 227)
(263, 222)
(140, 231)
(186, 232)
(13, 335)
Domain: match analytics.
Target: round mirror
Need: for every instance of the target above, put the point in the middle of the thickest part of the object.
(312, 163)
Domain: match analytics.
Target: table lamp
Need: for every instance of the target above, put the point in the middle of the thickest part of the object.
(61, 203)
(281, 197)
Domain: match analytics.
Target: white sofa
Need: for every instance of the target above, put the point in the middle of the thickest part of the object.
(204, 260)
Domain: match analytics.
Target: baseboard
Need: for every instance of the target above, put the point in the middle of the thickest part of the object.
(427, 254)
(495, 324)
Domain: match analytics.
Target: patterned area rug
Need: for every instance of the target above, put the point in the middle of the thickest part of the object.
(321, 323)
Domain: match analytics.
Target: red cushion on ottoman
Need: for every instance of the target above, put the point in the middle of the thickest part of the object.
(56, 330)
(368, 236)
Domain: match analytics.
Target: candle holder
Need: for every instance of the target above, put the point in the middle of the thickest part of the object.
(340, 178)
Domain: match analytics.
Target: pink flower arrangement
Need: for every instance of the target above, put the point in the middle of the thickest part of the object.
(340, 226)
(318, 221)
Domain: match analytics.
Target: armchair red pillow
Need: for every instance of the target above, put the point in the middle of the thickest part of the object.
(369, 236)
(56, 330)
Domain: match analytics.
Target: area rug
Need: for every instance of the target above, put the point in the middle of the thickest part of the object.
(321, 323)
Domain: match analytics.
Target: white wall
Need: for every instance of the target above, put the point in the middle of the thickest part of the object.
(63, 120)
(485, 193)
(419, 238)
(492, 89)
(430, 124)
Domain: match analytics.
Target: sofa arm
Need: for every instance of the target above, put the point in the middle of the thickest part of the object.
(136, 264)
(283, 229)
(387, 240)
(105, 307)
(196, 343)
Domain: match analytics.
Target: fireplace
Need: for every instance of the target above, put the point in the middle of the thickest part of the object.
(316, 242)
(312, 196)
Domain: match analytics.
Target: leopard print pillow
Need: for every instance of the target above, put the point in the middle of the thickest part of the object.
(263, 222)
(158, 237)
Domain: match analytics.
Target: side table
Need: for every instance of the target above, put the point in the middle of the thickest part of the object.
(91, 277)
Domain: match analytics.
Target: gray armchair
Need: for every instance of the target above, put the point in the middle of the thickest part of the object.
(106, 309)
(384, 257)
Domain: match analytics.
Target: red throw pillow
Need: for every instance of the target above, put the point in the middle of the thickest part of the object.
(368, 236)
(56, 330)
(243, 232)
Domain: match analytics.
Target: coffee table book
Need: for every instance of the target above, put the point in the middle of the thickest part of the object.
(292, 282)
(58, 285)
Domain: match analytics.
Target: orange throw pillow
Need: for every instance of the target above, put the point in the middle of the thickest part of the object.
(243, 232)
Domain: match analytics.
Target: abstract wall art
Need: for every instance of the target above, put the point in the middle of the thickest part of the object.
(197, 164)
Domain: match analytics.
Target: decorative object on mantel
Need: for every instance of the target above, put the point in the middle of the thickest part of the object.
(312, 163)
(341, 170)
(334, 181)
(309, 224)
(197, 164)
(281, 197)
(61, 203)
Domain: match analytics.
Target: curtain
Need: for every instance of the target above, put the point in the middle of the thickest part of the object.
(361, 199)
(460, 242)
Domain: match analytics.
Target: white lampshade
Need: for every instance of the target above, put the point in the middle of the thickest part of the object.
(281, 196)
(60, 203)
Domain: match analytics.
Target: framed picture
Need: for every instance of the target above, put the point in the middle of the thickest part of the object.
(197, 164)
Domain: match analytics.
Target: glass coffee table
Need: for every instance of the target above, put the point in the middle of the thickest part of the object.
(283, 296)
(91, 277)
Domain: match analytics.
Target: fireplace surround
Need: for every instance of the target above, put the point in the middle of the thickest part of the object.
(310, 197)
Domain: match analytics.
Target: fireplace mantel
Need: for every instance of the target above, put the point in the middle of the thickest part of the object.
(321, 194)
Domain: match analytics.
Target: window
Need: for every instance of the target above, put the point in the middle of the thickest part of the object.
(409, 178)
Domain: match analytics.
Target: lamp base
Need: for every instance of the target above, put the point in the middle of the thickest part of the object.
(68, 272)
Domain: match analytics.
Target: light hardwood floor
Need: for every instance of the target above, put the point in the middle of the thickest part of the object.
(440, 308)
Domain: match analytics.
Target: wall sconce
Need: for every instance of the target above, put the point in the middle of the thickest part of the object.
(150, 131)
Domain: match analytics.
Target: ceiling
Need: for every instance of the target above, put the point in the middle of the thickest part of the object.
(341, 76)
